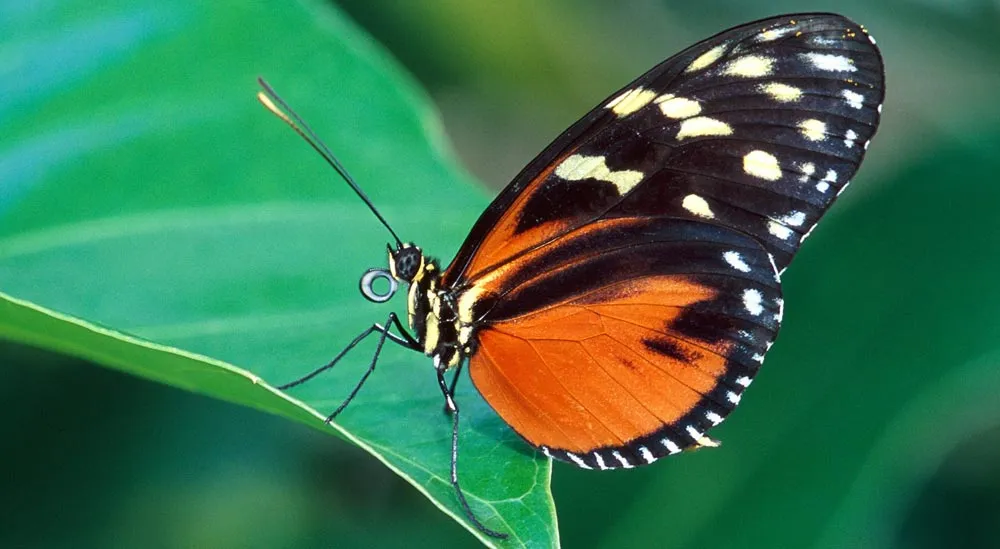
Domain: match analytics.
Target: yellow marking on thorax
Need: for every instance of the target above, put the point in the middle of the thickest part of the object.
(432, 333)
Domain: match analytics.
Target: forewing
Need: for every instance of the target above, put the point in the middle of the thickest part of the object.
(757, 129)
(628, 341)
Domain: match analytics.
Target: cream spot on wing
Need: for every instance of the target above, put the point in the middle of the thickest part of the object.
(678, 107)
(702, 126)
(698, 206)
(779, 230)
(829, 62)
(630, 101)
(735, 261)
(578, 167)
(854, 99)
(753, 301)
(813, 130)
(849, 138)
(707, 58)
(761, 164)
(750, 66)
(773, 34)
(808, 169)
(782, 93)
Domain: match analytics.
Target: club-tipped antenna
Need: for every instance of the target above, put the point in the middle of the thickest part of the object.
(277, 105)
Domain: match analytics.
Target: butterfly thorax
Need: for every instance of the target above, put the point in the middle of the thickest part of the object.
(431, 310)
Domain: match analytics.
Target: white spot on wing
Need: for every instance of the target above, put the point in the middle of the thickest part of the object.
(647, 456)
(706, 59)
(750, 66)
(693, 433)
(621, 459)
(807, 170)
(698, 206)
(781, 309)
(813, 130)
(733, 397)
(600, 461)
(824, 184)
(757, 357)
(853, 98)
(735, 261)
(677, 107)
(782, 93)
(579, 462)
(753, 301)
(671, 447)
(761, 164)
(778, 230)
(630, 101)
(849, 138)
(744, 381)
(578, 167)
(794, 218)
(829, 62)
(713, 417)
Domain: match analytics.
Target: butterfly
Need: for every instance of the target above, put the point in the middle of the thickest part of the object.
(617, 298)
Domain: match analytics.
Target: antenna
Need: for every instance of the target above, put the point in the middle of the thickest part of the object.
(276, 105)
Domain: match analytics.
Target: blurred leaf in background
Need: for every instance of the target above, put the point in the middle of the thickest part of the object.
(872, 425)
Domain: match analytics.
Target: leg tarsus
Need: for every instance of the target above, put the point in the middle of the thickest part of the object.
(452, 407)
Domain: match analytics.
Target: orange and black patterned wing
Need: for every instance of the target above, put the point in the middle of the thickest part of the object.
(623, 290)
(758, 128)
(629, 340)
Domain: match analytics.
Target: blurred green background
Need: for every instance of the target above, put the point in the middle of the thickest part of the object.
(875, 422)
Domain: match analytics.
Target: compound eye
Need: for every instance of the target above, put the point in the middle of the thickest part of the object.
(368, 281)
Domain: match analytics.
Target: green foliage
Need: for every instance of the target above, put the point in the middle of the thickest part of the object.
(148, 192)
(143, 189)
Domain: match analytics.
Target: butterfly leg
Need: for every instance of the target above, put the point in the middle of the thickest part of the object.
(405, 340)
(452, 408)
(451, 389)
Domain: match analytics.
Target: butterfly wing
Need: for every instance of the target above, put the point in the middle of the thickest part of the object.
(758, 128)
(624, 288)
(629, 340)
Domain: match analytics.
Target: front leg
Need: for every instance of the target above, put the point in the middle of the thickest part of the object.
(404, 340)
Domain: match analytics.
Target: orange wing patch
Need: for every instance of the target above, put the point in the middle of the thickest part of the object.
(505, 241)
(588, 374)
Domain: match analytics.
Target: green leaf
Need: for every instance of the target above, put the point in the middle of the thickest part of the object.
(143, 188)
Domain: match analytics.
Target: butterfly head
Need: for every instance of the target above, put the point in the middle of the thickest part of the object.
(406, 263)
